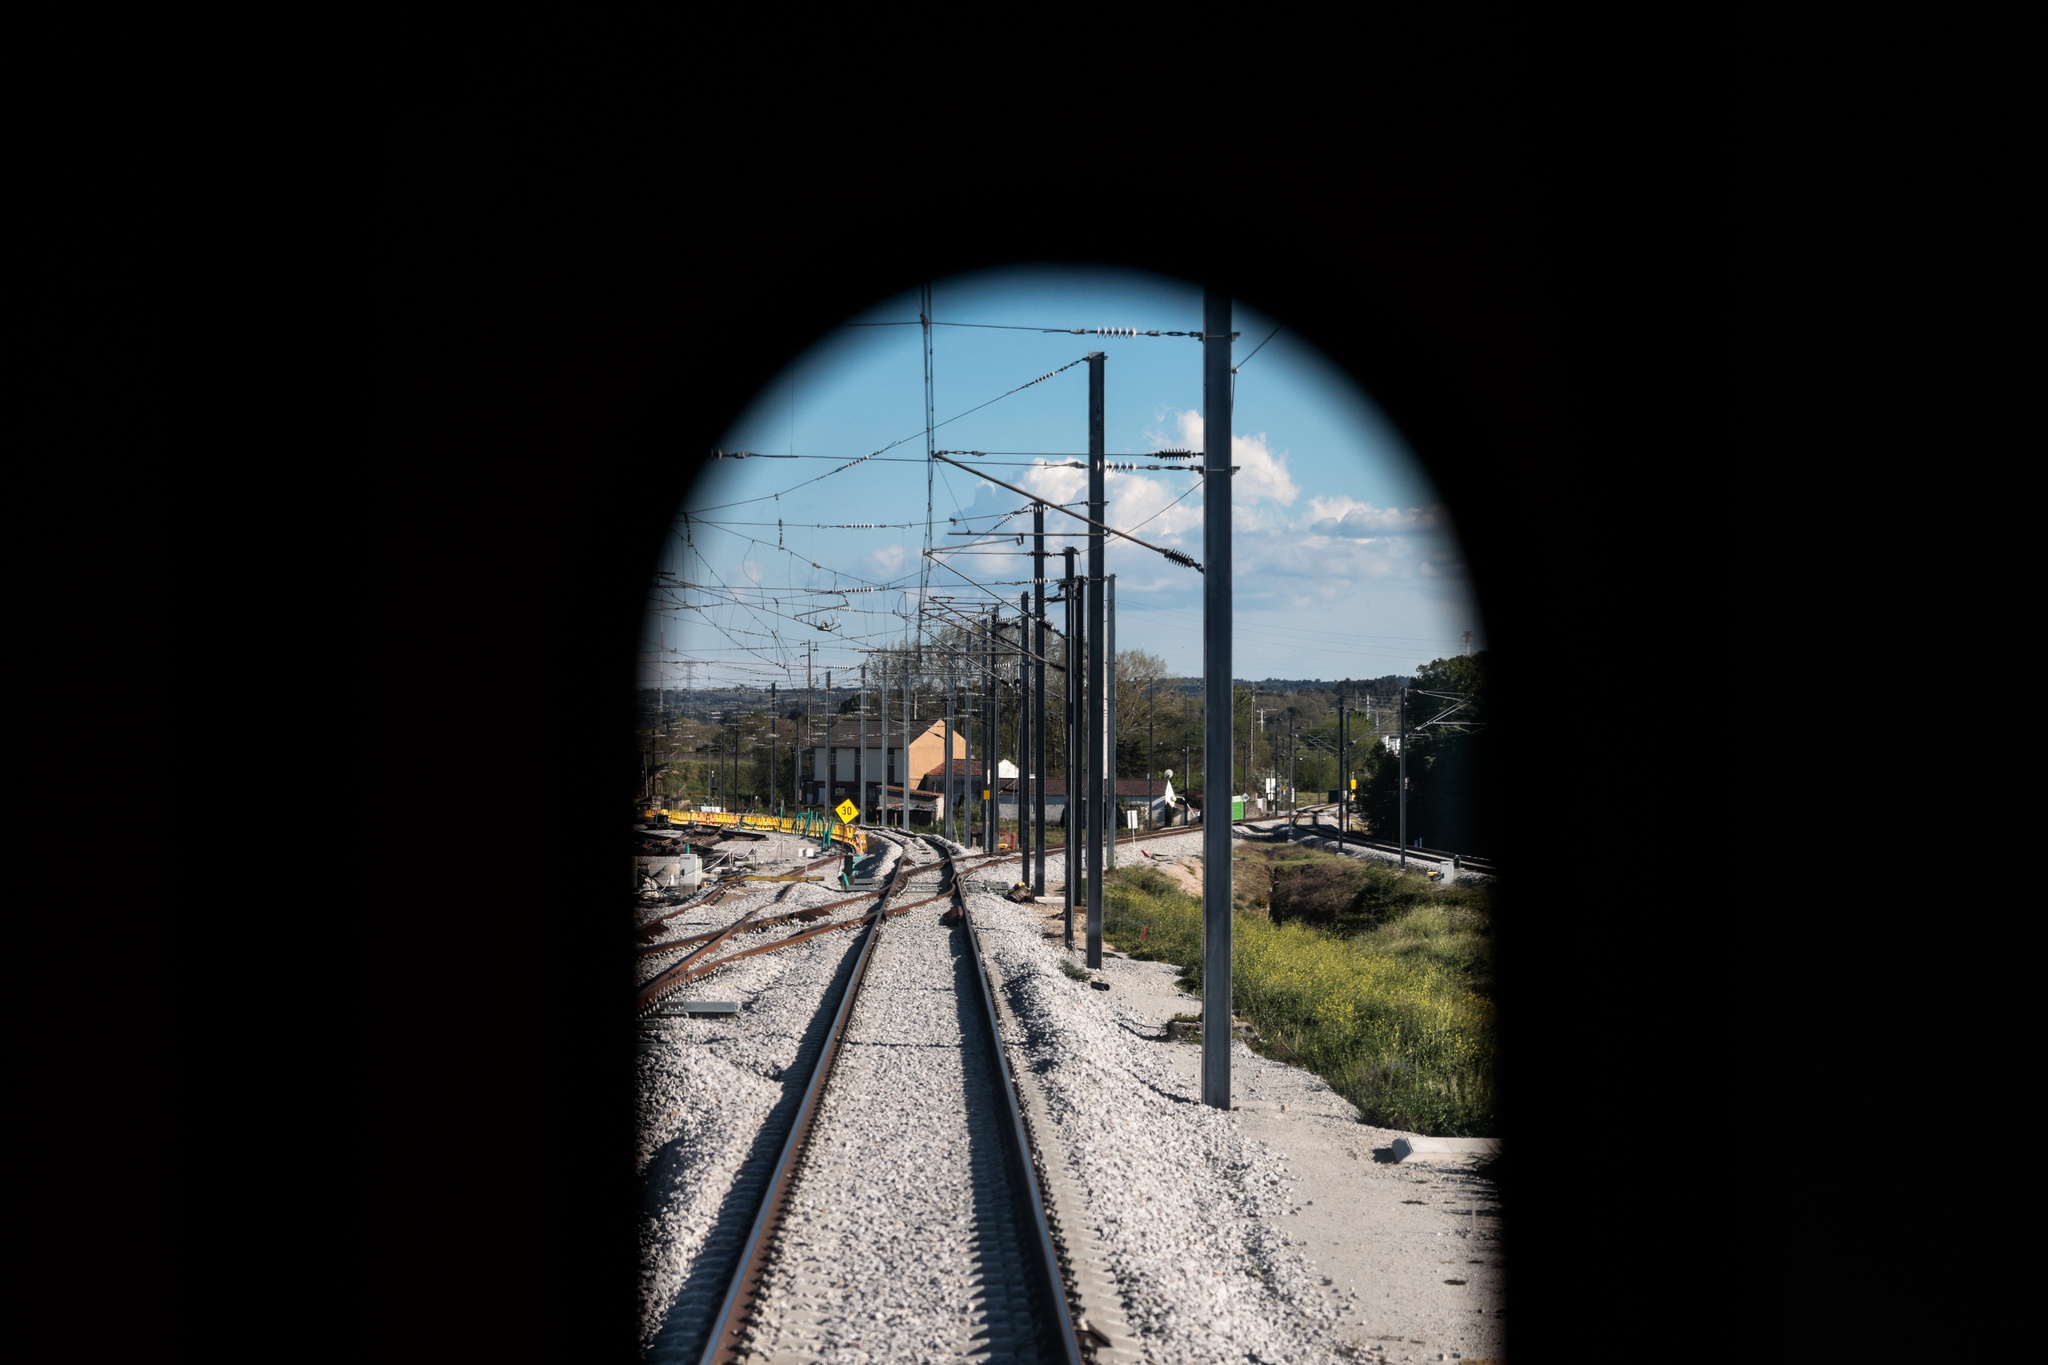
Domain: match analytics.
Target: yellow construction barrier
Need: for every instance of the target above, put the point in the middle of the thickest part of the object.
(818, 826)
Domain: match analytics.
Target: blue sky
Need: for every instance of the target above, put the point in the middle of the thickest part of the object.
(1345, 562)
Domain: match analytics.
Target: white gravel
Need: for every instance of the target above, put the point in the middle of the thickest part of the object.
(899, 1243)
(1181, 1202)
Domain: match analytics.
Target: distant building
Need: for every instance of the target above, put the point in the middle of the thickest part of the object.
(836, 768)
(969, 778)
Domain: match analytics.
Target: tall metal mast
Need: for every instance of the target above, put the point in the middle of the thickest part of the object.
(1070, 589)
(1038, 730)
(1216, 670)
(1024, 736)
(1096, 669)
(1109, 704)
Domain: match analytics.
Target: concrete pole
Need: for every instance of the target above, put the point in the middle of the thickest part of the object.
(1097, 671)
(1219, 704)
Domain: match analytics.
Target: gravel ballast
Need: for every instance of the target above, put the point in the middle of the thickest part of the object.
(1201, 1232)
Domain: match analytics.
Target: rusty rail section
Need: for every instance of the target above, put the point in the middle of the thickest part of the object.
(711, 896)
(698, 963)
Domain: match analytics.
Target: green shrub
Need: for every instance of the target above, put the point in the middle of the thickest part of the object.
(1387, 1003)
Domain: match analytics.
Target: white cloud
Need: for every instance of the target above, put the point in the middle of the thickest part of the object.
(1261, 472)
(1342, 516)
(1146, 506)
(753, 571)
(888, 561)
(1056, 483)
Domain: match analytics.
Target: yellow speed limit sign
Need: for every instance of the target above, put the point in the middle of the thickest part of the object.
(846, 810)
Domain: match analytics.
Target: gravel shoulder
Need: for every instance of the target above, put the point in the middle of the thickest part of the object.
(1386, 1234)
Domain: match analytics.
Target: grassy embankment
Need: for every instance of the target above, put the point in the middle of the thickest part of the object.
(1374, 979)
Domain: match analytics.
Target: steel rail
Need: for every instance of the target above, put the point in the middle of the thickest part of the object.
(709, 896)
(1049, 1284)
(724, 1345)
(694, 966)
(811, 912)
(659, 986)
(1470, 862)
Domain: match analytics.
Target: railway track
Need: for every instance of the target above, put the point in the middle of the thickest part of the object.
(893, 1207)
(1441, 857)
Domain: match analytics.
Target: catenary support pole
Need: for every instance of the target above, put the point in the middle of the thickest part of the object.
(1024, 843)
(946, 785)
(1116, 814)
(1343, 768)
(1038, 689)
(993, 717)
(882, 695)
(1097, 664)
(1217, 683)
(1071, 816)
(906, 739)
(860, 759)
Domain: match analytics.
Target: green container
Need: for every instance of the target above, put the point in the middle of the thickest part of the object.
(1237, 808)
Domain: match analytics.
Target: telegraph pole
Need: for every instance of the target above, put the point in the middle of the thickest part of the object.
(1097, 669)
(1404, 777)
(1216, 670)
(1038, 730)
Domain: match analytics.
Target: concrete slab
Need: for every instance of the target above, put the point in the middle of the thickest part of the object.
(1414, 1147)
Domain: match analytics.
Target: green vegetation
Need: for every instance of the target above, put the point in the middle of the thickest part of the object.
(1386, 999)
(1073, 973)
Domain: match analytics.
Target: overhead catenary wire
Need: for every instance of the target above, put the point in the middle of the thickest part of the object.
(1175, 555)
(924, 431)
